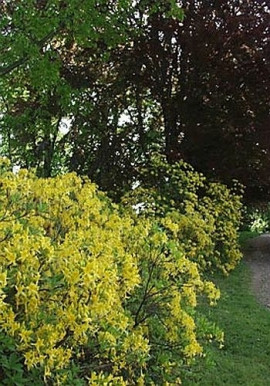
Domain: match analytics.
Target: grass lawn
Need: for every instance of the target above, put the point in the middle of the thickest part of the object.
(245, 358)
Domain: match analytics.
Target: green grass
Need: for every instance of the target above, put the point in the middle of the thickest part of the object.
(245, 358)
(245, 235)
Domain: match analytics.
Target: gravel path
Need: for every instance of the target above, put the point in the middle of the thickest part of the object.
(257, 253)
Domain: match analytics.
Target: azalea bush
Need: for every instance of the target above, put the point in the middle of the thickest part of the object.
(204, 217)
(91, 293)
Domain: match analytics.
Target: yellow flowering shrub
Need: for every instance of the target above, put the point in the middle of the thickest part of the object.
(88, 293)
(204, 217)
(164, 305)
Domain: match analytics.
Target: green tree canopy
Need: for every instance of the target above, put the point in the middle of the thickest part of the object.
(132, 78)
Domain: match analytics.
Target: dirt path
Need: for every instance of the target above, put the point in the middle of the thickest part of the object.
(257, 253)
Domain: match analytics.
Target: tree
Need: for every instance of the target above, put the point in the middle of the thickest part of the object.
(59, 63)
(133, 78)
(38, 42)
(210, 75)
(226, 60)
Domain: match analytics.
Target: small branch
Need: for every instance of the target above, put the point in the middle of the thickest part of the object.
(24, 59)
(146, 292)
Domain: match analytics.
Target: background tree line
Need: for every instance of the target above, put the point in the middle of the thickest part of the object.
(132, 78)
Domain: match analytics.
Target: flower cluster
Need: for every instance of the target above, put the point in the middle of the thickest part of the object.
(90, 294)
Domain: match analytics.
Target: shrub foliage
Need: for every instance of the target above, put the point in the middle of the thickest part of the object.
(94, 294)
(203, 216)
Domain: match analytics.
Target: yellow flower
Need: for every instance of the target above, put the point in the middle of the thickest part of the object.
(3, 279)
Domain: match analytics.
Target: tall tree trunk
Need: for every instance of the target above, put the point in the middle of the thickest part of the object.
(172, 134)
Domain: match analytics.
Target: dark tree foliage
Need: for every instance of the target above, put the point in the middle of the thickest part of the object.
(211, 77)
(137, 79)
(226, 87)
